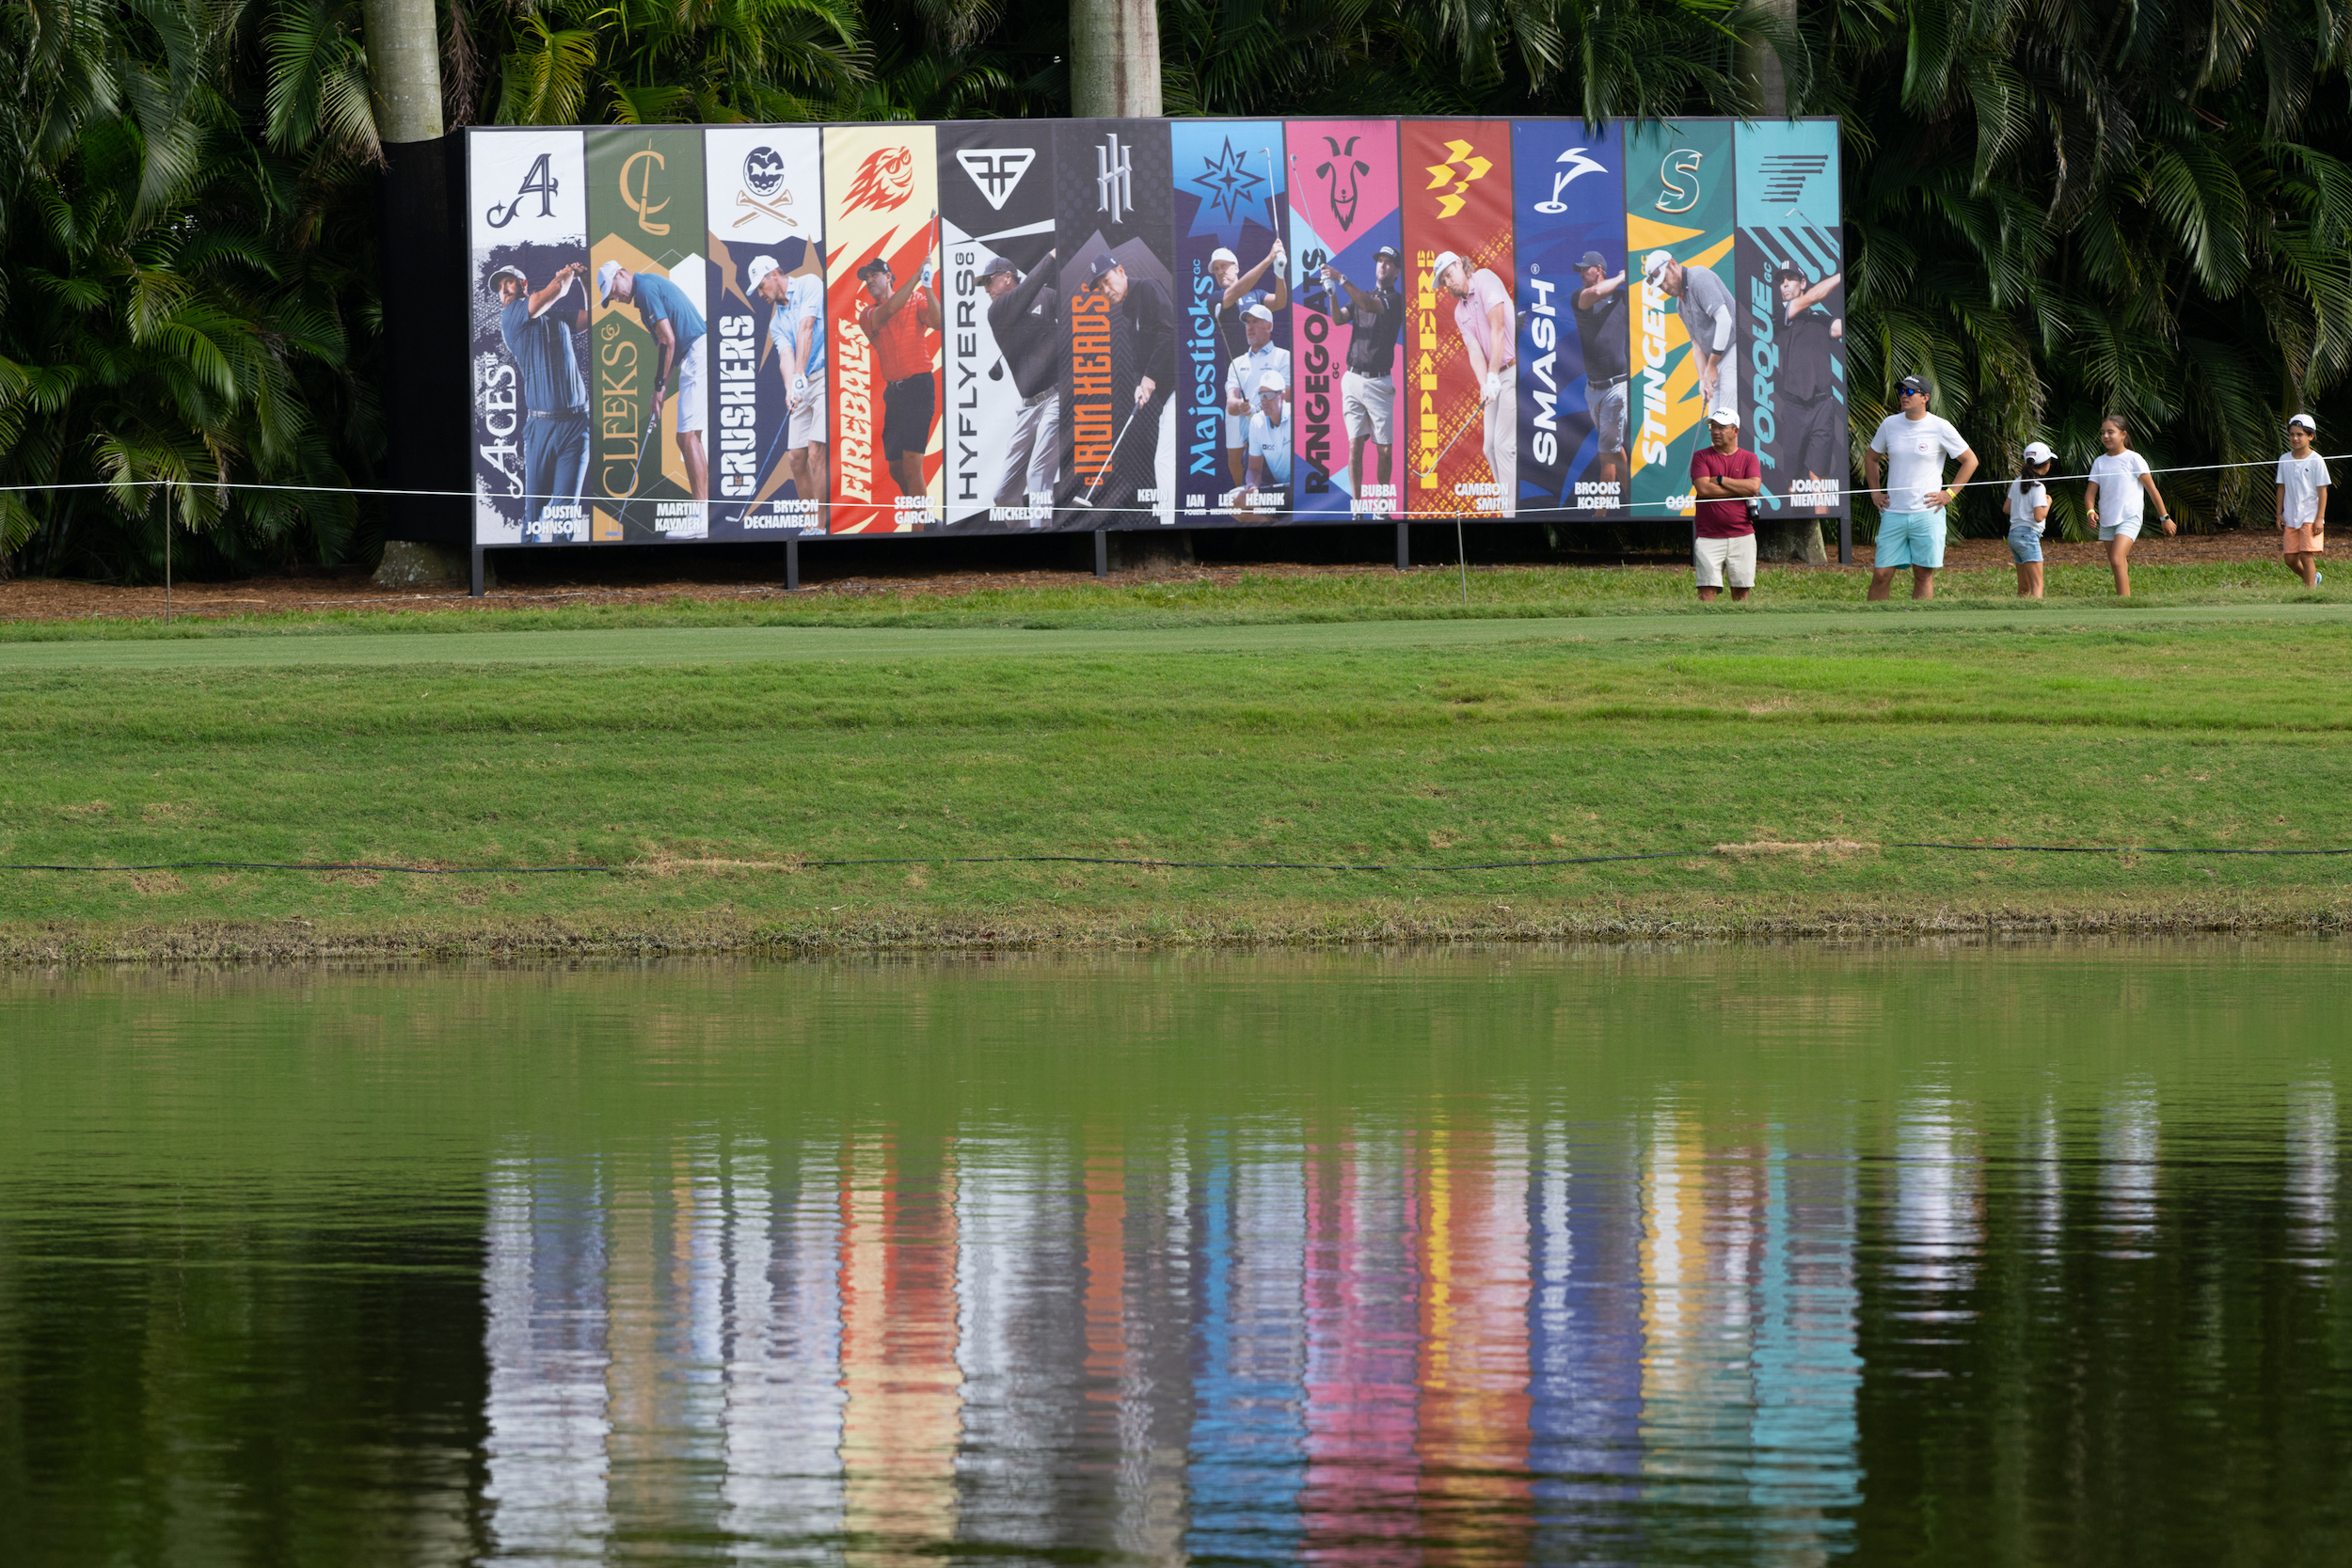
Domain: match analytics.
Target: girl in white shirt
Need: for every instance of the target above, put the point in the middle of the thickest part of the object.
(2118, 478)
(2302, 486)
(2029, 509)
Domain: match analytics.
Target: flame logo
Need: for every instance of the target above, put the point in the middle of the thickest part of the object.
(883, 181)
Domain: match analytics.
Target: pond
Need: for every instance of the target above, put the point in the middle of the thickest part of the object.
(1954, 1252)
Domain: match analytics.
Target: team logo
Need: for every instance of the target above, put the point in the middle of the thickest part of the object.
(540, 182)
(637, 173)
(1228, 184)
(1441, 175)
(1114, 178)
(1579, 165)
(1787, 174)
(1342, 164)
(1681, 161)
(763, 172)
(996, 170)
(883, 181)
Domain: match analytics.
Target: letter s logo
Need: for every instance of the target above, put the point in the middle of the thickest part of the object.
(1681, 161)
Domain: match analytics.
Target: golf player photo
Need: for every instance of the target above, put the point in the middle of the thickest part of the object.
(1024, 314)
(1260, 359)
(1489, 329)
(1812, 419)
(1143, 329)
(1606, 338)
(1704, 303)
(895, 319)
(555, 431)
(1265, 480)
(796, 321)
(1373, 318)
(678, 332)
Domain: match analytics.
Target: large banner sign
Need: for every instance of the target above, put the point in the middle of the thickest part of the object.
(1463, 318)
(686, 333)
(1793, 308)
(1348, 310)
(1685, 360)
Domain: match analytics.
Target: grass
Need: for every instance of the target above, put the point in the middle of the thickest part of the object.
(1779, 768)
(1253, 598)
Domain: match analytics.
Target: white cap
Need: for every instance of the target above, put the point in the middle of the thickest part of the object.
(2037, 451)
(1271, 381)
(1260, 311)
(1221, 254)
(515, 273)
(1437, 268)
(1653, 266)
(605, 274)
(1725, 416)
(2305, 421)
(757, 272)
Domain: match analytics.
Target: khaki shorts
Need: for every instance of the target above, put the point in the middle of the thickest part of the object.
(2302, 541)
(1368, 406)
(1722, 561)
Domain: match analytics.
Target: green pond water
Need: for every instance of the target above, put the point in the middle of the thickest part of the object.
(1956, 1253)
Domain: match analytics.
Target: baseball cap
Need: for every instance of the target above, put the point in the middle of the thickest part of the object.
(1653, 266)
(1912, 384)
(515, 273)
(605, 274)
(1789, 269)
(1725, 416)
(1591, 258)
(1261, 312)
(1221, 254)
(2037, 451)
(1387, 250)
(1105, 262)
(1272, 382)
(2305, 421)
(877, 264)
(994, 265)
(1437, 268)
(757, 273)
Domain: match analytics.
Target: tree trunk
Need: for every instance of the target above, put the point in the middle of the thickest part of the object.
(403, 70)
(1114, 58)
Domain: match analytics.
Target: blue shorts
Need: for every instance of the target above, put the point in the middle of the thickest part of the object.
(1910, 539)
(2025, 543)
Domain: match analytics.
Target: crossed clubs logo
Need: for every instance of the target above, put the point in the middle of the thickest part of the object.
(1342, 164)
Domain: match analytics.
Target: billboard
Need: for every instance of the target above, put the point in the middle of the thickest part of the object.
(1463, 362)
(688, 333)
(1792, 308)
(764, 193)
(1677, 230)
(1347, 316)
(1576, 331)
(881, 259)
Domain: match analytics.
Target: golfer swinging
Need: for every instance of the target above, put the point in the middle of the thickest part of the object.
(795, 331)
(555, 399)
(1481, 313)
(678, 332)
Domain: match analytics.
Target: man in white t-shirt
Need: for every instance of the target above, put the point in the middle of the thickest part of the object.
(1914, 444)
(2302, 502)
(1265, 482)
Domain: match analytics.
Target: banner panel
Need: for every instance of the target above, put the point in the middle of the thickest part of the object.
(527, 223)
(1229, 218)
(1792, 299)
(1348, 312)
(1002, 351)
(1111, 205)
(1463, 352)
(882, 205)
(766, 330)
(1575, 330)
(1679, 213)
(650, 471)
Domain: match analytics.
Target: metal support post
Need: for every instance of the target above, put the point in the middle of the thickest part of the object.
(791, 565)
(1102, 552)
(475, 585)
(1403, 546)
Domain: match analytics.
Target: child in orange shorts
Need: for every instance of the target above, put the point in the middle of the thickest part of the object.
(2302, 502)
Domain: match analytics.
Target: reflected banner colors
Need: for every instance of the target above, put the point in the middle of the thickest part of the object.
(1016, 325)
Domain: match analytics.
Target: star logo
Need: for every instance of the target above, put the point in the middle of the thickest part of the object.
(1227, 184)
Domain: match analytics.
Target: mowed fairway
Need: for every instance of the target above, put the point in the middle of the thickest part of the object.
(713, 770)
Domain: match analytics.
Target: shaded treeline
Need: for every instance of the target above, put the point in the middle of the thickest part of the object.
(2054, 210)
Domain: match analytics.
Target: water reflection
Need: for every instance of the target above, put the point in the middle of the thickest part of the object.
(1258, 1345)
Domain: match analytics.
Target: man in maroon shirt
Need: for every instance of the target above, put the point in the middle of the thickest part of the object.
(1723, 478)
